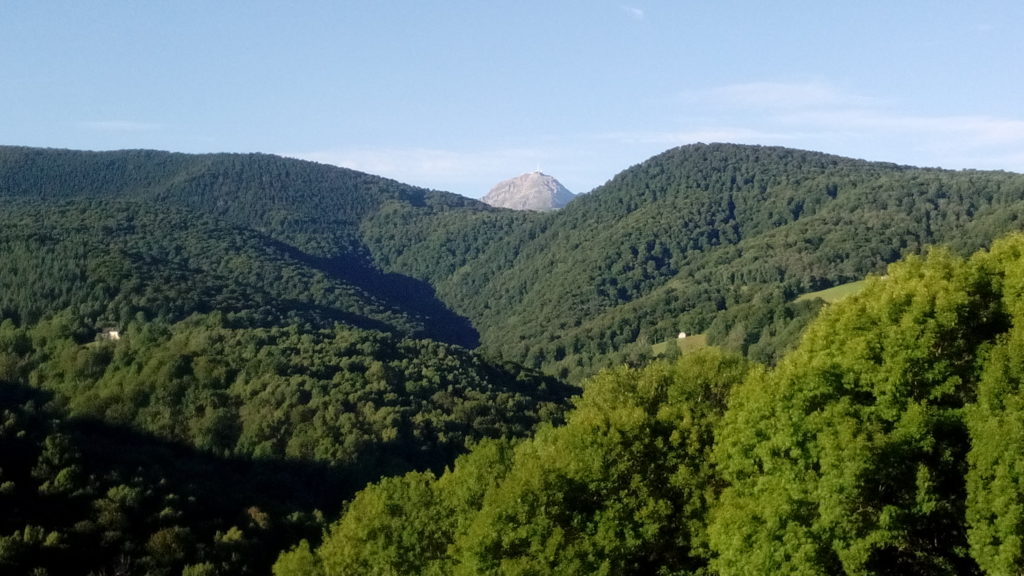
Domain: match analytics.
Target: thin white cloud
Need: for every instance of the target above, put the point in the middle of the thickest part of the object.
(971, 131)
(120, 126)
(733, 134)
(434, 168)
(634, 12)
(778, 96)
(821, 116)
(809, 115)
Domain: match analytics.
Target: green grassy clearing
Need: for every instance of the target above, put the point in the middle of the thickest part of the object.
(835, 293)
(688, 344)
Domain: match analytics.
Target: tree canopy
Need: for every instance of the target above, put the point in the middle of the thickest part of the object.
(887, 442)
(704, 238)
(208, 359)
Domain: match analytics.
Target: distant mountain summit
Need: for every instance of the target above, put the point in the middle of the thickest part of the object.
(531, 191)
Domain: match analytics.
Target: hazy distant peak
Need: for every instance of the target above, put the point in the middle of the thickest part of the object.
(531, 191)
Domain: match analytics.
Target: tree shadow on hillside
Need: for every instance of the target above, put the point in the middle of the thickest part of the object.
(415, 298)
(268, 504)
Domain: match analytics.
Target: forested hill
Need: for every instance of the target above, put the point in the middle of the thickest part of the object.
(713, 238)
(717, 238)
(304, 203)
(283, 322)
(888, 442)
(198, 360)
(117, 233)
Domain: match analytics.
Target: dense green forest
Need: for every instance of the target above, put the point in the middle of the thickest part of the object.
(715, 238)
(704, 238)
(888, 442)
(126, 221)
(196, 424)
(112, 260)
(206, 360)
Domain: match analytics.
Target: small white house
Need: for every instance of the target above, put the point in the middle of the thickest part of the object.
(682, 335)
(110, 335)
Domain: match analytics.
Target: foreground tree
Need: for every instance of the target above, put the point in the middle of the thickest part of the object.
(888, 442)
(622, 488)
(995, 480)
(851, 456)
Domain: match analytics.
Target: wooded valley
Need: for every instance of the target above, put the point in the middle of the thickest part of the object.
(247, 364)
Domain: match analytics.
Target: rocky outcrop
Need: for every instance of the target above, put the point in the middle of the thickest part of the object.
(531, 191)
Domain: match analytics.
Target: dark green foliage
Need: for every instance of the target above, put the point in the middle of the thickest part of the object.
(315, 207)
(306, 418)
(273, 360)
(114, 260)
(700, 237)
(253, 430)
(667, 245)
(117, 233)
(242, 297)
(764, 328)
(85, 497)
(346, 397)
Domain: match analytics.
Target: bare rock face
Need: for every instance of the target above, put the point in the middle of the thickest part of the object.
(531, 191)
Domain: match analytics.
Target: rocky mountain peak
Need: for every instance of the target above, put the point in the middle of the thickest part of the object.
(530, 191)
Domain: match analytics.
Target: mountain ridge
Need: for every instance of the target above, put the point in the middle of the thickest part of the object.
(276, 311)
(690, 239)
(660, 248)
(307, 213)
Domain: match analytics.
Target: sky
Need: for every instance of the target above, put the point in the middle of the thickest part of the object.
(458, 95)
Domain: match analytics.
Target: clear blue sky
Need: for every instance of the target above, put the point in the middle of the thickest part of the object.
(457, 95)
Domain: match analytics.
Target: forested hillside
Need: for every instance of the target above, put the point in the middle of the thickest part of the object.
(112, 260)
(887, 442)
(298, 419)
(704, 238)
(312, 206)
(716, 238)
(198, 361)
(126, 222)
(204, 357)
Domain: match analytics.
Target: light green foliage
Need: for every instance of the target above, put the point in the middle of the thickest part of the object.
(996, 478)
(851, 455)
(622, 488)
(299, 561)
(864, 452)
(408, 524)
(995, 481)
(707, 238)
(391, 528)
